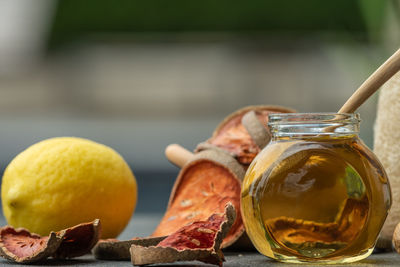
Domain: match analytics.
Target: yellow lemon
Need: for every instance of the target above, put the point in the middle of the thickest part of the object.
(61, 182)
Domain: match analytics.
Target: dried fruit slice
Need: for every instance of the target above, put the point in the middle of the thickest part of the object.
(204, 186)
(21, 246)
(200, 241)
(119, 250)
(78, 240)
(232, 136)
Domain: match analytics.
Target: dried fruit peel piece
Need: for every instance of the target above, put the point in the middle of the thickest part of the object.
(119, 250)
(19, 245)
(204, 186)
(232, 136)
(78, 240)
(256, 128)
(200, 234)
(153, 255)
(180, 246)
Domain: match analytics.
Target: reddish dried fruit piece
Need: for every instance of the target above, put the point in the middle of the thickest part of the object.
(204, 186)
(200, 241)
(21, 246)
(231, 135)
(78, 240)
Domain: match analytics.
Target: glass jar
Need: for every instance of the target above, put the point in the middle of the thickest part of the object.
(315, 193)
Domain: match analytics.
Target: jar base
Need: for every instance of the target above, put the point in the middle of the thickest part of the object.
(338, 260)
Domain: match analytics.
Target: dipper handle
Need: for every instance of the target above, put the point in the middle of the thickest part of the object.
(389, 68)
(178, 155)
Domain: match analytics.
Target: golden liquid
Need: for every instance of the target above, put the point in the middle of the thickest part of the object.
(315, 199)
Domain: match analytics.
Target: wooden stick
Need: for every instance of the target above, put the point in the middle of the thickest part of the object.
(373, 83)
(178, 155)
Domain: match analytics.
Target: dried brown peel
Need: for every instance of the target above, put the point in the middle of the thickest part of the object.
(232, 136)
(199, 241)
(152, 255)
(119, 250)
(204, 186)
(19, 245)
(256, 129)
(79, 240)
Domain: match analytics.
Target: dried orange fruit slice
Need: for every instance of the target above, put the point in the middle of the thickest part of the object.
(204, 186)
(78, 240)
(199, 241)
(19, 245)
(240, 141)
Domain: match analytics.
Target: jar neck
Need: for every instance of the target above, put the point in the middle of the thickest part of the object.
(313, 125)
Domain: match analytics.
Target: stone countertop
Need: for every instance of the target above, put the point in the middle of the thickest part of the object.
(143, 224)
(232, 259)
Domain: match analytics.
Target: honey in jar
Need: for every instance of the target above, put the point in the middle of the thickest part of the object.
(315, 193)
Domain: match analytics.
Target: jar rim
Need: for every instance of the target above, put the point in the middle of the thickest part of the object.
(313, 118)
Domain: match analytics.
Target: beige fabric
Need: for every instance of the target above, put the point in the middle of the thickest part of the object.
(387, 146)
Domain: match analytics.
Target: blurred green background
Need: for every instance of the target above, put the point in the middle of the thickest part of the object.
(74, 19)
(138, 75)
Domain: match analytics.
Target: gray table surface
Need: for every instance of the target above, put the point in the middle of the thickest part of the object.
(143, 224)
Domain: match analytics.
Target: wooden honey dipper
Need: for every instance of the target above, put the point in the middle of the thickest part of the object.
(389, 68)
(178, 155)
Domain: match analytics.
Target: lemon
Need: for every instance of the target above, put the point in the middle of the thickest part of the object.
(61, 182)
